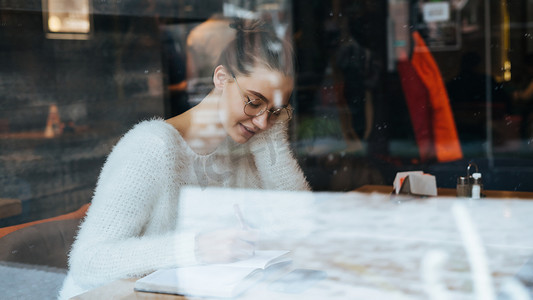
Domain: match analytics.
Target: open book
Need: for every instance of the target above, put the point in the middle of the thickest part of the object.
(216, 280)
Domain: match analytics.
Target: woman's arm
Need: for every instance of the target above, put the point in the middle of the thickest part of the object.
(111, 243)
(278, 169)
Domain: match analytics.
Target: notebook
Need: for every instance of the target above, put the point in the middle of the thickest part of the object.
(216, 280)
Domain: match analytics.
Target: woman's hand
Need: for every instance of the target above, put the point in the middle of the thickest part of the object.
(276, 165)
(269, 142)
(225, 245)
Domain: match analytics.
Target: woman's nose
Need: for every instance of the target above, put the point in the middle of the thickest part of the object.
(261, 121)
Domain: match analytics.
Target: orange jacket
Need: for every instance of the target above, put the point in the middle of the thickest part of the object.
(419, 106)
(446, 140)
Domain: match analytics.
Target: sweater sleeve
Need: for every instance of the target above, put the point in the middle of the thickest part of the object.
(278, 169)
(111, 243)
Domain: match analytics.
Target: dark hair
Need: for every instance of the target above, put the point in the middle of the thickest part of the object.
(256, 44)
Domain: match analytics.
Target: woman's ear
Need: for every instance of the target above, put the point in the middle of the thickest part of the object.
(220, 77)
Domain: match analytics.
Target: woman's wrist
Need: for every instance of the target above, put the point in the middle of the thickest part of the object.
(185, 244)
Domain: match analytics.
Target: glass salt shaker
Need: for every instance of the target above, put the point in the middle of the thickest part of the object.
(464, 190)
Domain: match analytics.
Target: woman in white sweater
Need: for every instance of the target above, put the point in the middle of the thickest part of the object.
(235, 137)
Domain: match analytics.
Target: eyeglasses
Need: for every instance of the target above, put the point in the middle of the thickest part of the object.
(256, 106)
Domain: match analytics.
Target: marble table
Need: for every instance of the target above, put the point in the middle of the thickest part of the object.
(372, 246)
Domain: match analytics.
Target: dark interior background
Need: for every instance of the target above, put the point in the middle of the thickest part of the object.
(120, 75)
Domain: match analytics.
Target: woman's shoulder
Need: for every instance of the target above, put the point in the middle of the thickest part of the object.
(153, 127)
(153, 131)
(149, 148)
(149, 135)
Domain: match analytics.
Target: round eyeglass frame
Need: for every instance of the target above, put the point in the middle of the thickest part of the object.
(287, 110)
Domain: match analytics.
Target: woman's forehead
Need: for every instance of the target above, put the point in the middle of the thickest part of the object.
(262, 77)
(274, 86)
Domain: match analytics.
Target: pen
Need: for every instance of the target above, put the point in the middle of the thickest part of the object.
(244, 226)
(238, 213)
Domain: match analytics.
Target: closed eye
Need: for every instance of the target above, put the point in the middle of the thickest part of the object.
(276, 111)
(254, 102)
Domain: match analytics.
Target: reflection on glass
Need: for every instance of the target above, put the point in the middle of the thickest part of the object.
(67, 19)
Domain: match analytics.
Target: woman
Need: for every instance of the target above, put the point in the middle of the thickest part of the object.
(236, 137)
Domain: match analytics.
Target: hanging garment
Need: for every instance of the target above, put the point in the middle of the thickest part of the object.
(446, 139)
(419, 106)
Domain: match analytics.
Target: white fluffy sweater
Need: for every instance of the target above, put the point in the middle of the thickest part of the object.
(129, 229)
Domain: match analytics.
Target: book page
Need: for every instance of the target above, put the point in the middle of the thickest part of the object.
(218, 281)
(262, 259)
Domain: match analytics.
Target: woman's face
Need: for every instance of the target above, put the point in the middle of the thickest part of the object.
(271, 86)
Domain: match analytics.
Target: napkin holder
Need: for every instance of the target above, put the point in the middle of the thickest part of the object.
(415, 183)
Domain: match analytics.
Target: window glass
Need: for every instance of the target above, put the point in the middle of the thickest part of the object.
(380, 87)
